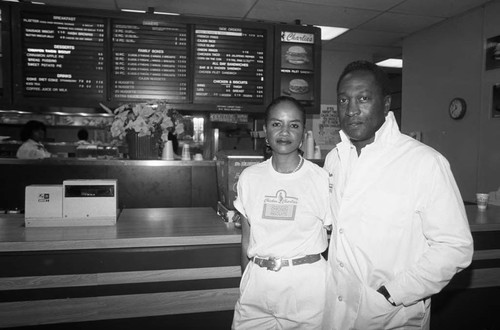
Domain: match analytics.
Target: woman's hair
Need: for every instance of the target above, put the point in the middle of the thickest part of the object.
(30, 127)
(284, 99)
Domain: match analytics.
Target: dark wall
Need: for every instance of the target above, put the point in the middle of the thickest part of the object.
(140, 184)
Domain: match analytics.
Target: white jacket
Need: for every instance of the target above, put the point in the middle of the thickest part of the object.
(401, 223)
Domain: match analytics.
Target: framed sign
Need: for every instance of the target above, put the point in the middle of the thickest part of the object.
(495, 104)
(493, 53)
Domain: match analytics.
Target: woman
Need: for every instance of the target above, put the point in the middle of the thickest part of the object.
(284, 206)
(32, 133)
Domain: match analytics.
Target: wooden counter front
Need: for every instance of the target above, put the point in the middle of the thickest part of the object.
(176, 267)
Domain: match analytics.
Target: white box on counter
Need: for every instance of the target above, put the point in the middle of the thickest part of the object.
(74, 203)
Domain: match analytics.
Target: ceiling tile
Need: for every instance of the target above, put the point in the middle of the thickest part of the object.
(213, 8)
(366, 37)
(378, 5)
(288, 12)
(402, 23)
(376, 51)
(437, 8)
(96, 4)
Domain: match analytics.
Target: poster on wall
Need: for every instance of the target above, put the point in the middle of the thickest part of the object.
(495, 105)
(326, 127)
(493, 53)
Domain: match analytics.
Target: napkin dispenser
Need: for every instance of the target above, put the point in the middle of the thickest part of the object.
(74, 203)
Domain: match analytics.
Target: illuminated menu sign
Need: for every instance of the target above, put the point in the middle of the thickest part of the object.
(297, 66)
(229, 65)
(63, 56)
(150, 61)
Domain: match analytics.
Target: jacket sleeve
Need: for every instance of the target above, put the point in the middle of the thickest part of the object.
(446, 229)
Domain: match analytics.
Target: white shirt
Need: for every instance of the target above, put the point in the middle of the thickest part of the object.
(31, 149)
(401, 223)
(287, 212)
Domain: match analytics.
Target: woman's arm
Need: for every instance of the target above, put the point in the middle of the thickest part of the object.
(245, 238)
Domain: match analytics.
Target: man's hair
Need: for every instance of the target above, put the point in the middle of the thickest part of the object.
(285, 99)
(379, 74)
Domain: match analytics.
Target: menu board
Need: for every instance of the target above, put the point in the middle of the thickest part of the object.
(149, 60)
(229, 65)
(297, 66)
(63, 56)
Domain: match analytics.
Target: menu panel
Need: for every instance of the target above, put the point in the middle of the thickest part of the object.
(229, 65)
(297, 66)
(150, 61)
(63, 56)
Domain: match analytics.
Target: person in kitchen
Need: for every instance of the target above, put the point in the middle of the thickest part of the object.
(83, 137)
(32, 134)
(284, 207)
(401, 232)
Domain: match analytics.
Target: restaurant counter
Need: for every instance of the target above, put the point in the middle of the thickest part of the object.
(155, 266)
(179, 268)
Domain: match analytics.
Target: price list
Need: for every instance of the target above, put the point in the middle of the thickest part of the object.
(149, 61)
(229, 65)
(63, 56)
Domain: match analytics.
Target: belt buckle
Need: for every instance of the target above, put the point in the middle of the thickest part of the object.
(274, 264)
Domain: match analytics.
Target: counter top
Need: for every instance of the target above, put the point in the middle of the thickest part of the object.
(156, 227)
(487, 220)
(153, 227)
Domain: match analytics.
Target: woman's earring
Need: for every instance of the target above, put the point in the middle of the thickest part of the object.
(267, 142)
(300, 145)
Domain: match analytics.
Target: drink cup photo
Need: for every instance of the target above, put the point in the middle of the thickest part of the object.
(482, 200)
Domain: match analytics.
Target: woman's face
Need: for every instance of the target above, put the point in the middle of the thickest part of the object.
(284, 128)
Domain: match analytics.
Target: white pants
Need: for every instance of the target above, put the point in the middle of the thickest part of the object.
(292, 298)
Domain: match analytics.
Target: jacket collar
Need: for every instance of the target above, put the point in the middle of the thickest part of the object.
(386, 134)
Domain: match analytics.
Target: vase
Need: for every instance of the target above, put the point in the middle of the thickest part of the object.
(142, 147)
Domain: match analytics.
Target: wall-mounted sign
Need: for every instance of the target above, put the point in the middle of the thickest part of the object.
(149, 60)
(229, 64)
(62, 55)
(298, 66)
(492, 53)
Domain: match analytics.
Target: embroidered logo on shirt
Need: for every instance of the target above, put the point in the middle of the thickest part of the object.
(280, 207)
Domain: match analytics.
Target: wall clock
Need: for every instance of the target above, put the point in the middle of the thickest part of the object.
(457, 108)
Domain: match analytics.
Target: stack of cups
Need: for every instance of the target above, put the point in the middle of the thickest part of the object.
(168, 151)
(186, 155)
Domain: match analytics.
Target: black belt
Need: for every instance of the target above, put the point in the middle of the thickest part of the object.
(275, 264)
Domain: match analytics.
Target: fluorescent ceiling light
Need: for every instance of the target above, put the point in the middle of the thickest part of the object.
(330, 32)
(134, 11)
(391, 63)
(37, 3)
(165, 13)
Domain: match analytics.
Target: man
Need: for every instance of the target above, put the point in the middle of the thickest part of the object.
(401, 231)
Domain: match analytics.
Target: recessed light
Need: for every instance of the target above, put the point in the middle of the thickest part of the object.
(166, 13)
(391, 63)
(330, 32)
(134, 11)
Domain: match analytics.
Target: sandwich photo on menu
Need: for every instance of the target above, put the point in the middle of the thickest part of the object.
(297, 57)
(299, 88)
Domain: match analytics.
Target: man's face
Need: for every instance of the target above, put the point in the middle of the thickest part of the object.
(362, 107)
